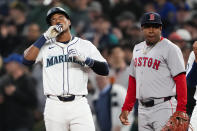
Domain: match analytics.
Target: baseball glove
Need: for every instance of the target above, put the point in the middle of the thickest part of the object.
(179, 121)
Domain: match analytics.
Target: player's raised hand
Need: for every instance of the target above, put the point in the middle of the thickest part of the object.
(124, 118)
(195, 50)
(53, 31)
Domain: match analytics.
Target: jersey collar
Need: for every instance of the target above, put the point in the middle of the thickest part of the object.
(74, 39)
(161, 38)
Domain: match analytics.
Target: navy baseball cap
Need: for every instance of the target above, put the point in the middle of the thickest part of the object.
(13, 58)
(151, 18)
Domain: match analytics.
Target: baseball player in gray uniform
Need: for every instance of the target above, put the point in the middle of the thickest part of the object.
(192, 81)
(157, 76)
(66, 61)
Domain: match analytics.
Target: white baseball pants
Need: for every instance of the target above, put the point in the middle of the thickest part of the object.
(68, 116)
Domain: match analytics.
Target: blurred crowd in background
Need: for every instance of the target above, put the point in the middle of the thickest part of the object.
(113, 26)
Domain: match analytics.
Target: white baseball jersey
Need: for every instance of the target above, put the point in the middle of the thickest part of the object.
(154, 68)
(189, 67)
(61, 77)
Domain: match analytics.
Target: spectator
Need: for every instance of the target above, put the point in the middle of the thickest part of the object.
(118, 68)
(32, 34)
(79, 16)
(19, 97)
(108, 105)
(125, 21)
(9, 38)
(191, 26)
(128, 51)
(134, 35)
(17, 14)
(39, 11)
(149, 7)
(121, 6)
(38, 113)
(102, 35)
(168, 15)
(94, 10)
(183, 13)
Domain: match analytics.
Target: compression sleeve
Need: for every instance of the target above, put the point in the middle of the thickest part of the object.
(131, 95)
(181, 91)
(100, 68)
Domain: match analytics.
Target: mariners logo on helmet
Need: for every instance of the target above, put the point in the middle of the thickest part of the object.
(55, 10)
(151, 18)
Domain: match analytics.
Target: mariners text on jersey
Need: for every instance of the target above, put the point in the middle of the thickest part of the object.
(52, 60)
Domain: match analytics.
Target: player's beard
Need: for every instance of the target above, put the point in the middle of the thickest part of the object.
(152, 41)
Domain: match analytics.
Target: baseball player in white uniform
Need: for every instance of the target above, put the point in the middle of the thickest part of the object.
(157, 76)
(192, 81)
(66, 61)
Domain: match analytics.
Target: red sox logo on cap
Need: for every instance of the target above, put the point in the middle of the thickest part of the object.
(152, 17)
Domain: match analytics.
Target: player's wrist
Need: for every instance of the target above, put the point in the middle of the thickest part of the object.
(126, 109)
(40, 42)
(89, 62)
(46, 36)
(181, 108)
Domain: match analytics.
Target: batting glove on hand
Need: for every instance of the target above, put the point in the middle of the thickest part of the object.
(53, 31)
(76, 57)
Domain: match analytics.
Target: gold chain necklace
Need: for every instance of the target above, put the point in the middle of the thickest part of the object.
(146, 49)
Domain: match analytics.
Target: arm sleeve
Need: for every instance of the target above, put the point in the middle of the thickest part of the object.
(181, 91)
(131, 95)
(100, 68)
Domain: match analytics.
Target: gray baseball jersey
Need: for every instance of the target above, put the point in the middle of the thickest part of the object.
(154, 68)
(60, 76)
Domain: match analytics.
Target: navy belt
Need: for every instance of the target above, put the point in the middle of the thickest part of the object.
(152, 102)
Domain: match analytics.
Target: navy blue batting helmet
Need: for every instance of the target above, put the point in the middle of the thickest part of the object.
(53, 11)
(151, 18)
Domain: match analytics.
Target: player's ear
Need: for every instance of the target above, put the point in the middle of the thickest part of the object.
(69, 22)
(160, 28)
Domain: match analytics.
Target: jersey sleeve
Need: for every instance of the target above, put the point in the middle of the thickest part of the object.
(95, 54)
(190, 62)
(132, 65)
(175, 60)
